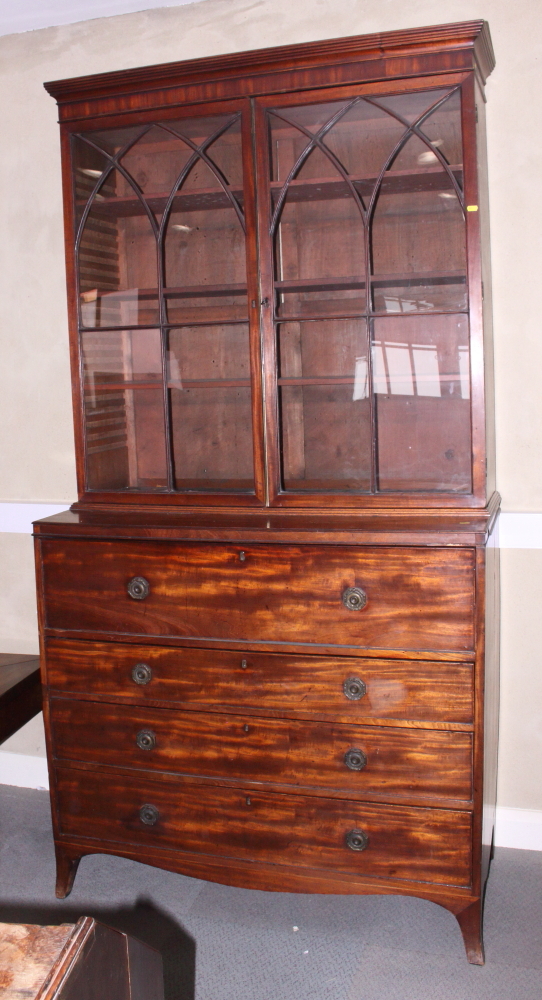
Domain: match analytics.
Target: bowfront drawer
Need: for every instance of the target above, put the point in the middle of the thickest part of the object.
(380, 597)
(348, 689)
(352, 759)
(426, 845)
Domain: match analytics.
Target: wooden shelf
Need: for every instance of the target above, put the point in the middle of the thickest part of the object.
(317, 380)
(189, 383)
(221, 315)
(432, 178)
(353, 283)
(202, 200)
(416, 179)
(204, 291)
(209, 383)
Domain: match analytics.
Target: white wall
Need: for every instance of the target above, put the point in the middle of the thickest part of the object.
(36, 444)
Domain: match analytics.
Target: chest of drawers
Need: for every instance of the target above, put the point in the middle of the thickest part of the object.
(269, 621)
(237, 720)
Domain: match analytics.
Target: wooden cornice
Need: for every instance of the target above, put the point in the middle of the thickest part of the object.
(269, 70)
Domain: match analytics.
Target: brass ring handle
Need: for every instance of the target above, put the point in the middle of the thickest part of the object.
(354, 688)
(149, 815)
(354, 598)
(357, 840)
(138, 588)
(146, 739)
(355, 759)
(141, 673)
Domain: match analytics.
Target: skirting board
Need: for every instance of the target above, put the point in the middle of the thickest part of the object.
(520, 828)
(23, 770)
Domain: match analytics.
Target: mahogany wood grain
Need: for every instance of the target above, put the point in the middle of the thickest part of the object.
(397, 691)
(405, 843)
(416, 598)
(470, 923)
(397, 762)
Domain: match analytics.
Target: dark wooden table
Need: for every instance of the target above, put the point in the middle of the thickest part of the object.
(20, 691)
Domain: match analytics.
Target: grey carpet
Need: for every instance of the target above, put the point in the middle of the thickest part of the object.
(220, 943)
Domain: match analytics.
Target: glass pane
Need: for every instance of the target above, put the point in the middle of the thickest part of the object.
(125, 437)
(325, 414)
(117, 263)
(204, 246)
(319, 242)
(443, 129)
(211, 416)
(418, 249)
(411, 107)
(219, 138)
(121, 356)
(422, 389)
(155, 162)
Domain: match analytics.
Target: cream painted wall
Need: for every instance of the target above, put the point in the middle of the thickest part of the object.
(36, 445)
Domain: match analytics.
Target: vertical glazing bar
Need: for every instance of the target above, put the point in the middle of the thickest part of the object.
(367, 230)
(266, 311)
(164, 333)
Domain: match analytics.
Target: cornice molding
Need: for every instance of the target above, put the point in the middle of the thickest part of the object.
(466, 35)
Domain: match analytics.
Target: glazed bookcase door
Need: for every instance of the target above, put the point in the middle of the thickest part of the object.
(365, 224)
(163, 308)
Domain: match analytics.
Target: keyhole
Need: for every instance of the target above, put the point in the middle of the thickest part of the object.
(246, 727)
(242, 556)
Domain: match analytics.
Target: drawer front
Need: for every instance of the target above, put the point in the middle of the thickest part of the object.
(265, 682)
(352, 759)
(416, 598)
(428, 845)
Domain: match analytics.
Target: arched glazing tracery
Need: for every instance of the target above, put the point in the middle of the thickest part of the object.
(163, 307)
(367, 223)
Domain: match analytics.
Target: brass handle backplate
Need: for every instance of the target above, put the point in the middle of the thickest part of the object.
(354, 598)
(146, 739)
(355, 759)
(357, 840)
(354, 688)
(138, 588)
(141, 673)
(149, 815)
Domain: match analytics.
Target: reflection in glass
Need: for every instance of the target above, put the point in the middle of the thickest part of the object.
(122, 356)
(124, 431)
(421, 384)
(117, 263)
